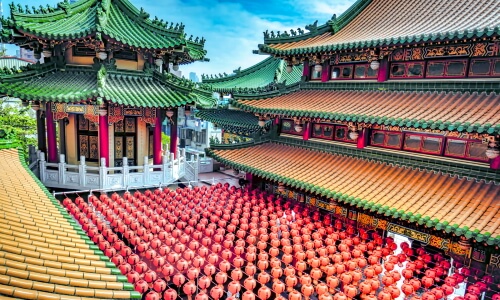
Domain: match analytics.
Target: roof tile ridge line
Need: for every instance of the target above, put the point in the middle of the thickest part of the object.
(101, 17)
(61, 10)
(321, 29)
(134, 13)
(351, 13)
(246, 71)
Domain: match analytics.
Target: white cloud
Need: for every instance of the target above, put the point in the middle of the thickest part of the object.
(323, 10)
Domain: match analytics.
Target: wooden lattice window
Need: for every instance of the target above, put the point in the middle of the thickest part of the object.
(88, 139)
(429, 144)
(125, 140)
(386, 139)
(446, 69)
(467, 149)
(407, 70)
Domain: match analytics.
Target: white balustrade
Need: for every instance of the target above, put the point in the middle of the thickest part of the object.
(83, 176)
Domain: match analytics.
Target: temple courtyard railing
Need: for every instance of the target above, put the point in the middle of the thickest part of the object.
(84, 177)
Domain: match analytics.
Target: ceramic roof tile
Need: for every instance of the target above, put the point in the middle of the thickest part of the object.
(262, 74)
(235, 121)
(75, 86)
(385, 22)
(119, 20)
(42, 248)
(436, 197)
(462, 111)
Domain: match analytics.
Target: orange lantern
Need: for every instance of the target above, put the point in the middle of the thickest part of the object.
(321, 288)
(263, 278)
(278, 287)
(332, 282)
(179, 279)
(170, 294)
(204, 282)
(217, 292)
(189, 289)
(316, 275)
(307, 290)
(249, 283)
(291, 281)
(264, 293)
(236, 274)
(234, 287)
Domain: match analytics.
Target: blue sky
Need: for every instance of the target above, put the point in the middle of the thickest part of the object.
(232, 28)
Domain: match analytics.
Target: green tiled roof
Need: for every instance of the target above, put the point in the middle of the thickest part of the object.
(115, 20)
(266, 72)
(58, 25)
(139, 90)
(235, 121)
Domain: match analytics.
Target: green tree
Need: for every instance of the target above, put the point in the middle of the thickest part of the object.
(18, 124)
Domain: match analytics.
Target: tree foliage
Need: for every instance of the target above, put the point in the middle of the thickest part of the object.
(18, 124)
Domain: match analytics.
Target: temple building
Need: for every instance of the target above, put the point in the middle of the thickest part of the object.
(369, 144)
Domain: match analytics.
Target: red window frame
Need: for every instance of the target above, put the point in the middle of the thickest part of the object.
(366, 76)
(386, 139)
(292, 130)
(407, 66)
(323, 126)
(342, 67)
(422, 138)
(445, 69)
(346, 138)
(311, 70)
(466, 155)
(491, 71)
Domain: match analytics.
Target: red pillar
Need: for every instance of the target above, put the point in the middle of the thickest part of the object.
(495, 163)
(383, 70)
(173, 134)
(51, 134)
(104, 138)
(157, 139)
(362, 139)
(307, 131)
(306, 71)
(277, 121)
(325, 73)
(249, 178)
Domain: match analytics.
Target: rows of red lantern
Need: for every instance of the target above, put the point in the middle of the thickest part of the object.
(121, 255)
(264, 277)
(343, 261)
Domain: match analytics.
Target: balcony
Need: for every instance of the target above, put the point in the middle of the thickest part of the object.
(84, 177)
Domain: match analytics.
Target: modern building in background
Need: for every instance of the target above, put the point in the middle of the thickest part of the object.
(193, 77)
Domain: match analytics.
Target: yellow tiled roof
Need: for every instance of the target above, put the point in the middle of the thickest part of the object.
(43, 253)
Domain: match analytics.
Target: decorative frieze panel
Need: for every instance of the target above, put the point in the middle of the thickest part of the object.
(485, 49)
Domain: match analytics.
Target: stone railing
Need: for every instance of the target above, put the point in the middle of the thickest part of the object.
(84, 177)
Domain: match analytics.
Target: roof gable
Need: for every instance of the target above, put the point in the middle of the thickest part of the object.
(384, 22)
(117, 20)
(268, 71)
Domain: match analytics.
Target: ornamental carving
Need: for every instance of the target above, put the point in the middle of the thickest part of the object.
(149, 116)
(92, 113)
(456, 249)
(448, 51)
(115, 114)
(353, 57)
(495, 260)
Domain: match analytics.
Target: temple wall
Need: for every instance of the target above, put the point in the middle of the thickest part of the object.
(111, 145)
(142, 142)
(78, 60)
(71, 142)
